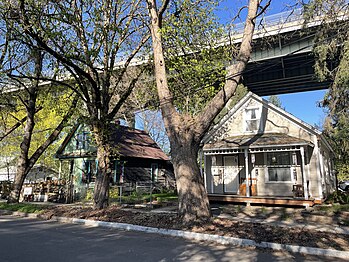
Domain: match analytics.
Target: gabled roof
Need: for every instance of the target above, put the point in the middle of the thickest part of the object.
(267, 104)
(127, 142)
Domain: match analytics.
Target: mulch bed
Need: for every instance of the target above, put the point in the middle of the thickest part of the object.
(218, 226)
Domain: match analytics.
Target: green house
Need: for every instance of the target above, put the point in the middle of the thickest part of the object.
(136, 158)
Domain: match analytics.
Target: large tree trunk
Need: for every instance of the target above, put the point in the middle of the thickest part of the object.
(101, 189)
(22, 163)
(194, 207)
(185, 132)
(23, 160)
(18, 183)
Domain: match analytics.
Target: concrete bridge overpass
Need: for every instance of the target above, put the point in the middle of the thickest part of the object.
(282, 60)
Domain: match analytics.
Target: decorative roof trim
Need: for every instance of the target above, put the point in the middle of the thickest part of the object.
(278, 110)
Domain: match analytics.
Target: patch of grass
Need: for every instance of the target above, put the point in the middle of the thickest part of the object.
(285, 215)
(137, 197)
(335, 208)
(338, 197)
(23, 207)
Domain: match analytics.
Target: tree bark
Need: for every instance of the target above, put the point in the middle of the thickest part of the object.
(186, 132)
(194, 207)
(101, 189)
(23, 160)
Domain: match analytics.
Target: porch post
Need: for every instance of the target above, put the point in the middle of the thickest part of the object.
(203, 170)
(307, 160)
(60, 169)
(305, 185)
(323, 171)
(318, 169)
(247, 174)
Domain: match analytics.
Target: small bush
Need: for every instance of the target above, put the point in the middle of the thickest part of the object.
(113, 192)
(27, 208)
(338, 197)
(89, 194)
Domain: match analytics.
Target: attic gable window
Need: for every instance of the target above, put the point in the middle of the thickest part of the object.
(252, 119)
(82, 141)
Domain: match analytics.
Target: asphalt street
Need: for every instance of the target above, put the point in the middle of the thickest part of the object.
(24, 239)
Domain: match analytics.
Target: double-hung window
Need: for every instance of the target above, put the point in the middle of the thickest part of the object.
(82, 141)
(252, 119)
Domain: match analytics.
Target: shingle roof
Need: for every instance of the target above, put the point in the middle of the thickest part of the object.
(131, 142)
(127, 142)
(255, 141)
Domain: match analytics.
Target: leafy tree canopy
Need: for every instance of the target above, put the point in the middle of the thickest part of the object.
(332, 62)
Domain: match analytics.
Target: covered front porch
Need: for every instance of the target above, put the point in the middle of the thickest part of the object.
(259, 172)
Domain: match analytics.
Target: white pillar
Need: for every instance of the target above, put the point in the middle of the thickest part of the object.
(323, 171)
(204, 172)
(318, 168)
(307, 160)
(200, 162)
(247, 174)
(60, 169)
(305, 186)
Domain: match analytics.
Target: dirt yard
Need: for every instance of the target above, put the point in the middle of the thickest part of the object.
(220, 226)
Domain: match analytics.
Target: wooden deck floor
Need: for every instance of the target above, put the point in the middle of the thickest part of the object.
(266, 200)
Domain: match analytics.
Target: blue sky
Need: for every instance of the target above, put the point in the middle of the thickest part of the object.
(302, 105)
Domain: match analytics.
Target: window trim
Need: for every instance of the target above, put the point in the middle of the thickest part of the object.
(290, 166)
(154, 167)
(82, 141)
(258, 118)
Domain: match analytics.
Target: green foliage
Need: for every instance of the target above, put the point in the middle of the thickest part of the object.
(339, 197)
(113, 192)
(342, 168)
(89, 194)
(54, 103)
(275, 100)
(196, 59)
(332, 62)
(27, 208)
(240, 92)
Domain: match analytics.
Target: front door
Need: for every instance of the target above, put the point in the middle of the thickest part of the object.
(231, 174)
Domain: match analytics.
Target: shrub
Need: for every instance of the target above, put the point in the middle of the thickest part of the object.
(338, 197)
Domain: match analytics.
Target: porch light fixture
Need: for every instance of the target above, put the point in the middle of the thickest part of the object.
(253, 158)
(273, 159)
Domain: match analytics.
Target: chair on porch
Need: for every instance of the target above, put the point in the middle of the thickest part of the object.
(298, 191)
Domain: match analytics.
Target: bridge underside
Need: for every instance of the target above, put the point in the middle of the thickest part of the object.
(288, 74)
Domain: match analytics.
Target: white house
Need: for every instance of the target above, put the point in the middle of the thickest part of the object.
(259, 151)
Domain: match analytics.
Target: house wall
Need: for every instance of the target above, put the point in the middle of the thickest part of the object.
(135, 169)
(320, 176)
(271, 122)
(311, 173)
(71, 149)
(258, 172)
(328, 176)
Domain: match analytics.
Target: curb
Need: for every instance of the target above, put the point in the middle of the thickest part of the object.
(192, 235)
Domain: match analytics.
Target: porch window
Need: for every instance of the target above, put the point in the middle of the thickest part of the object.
(154, 172)
(89, 171)
(279, 167)
(118, 168)
(252, 119)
